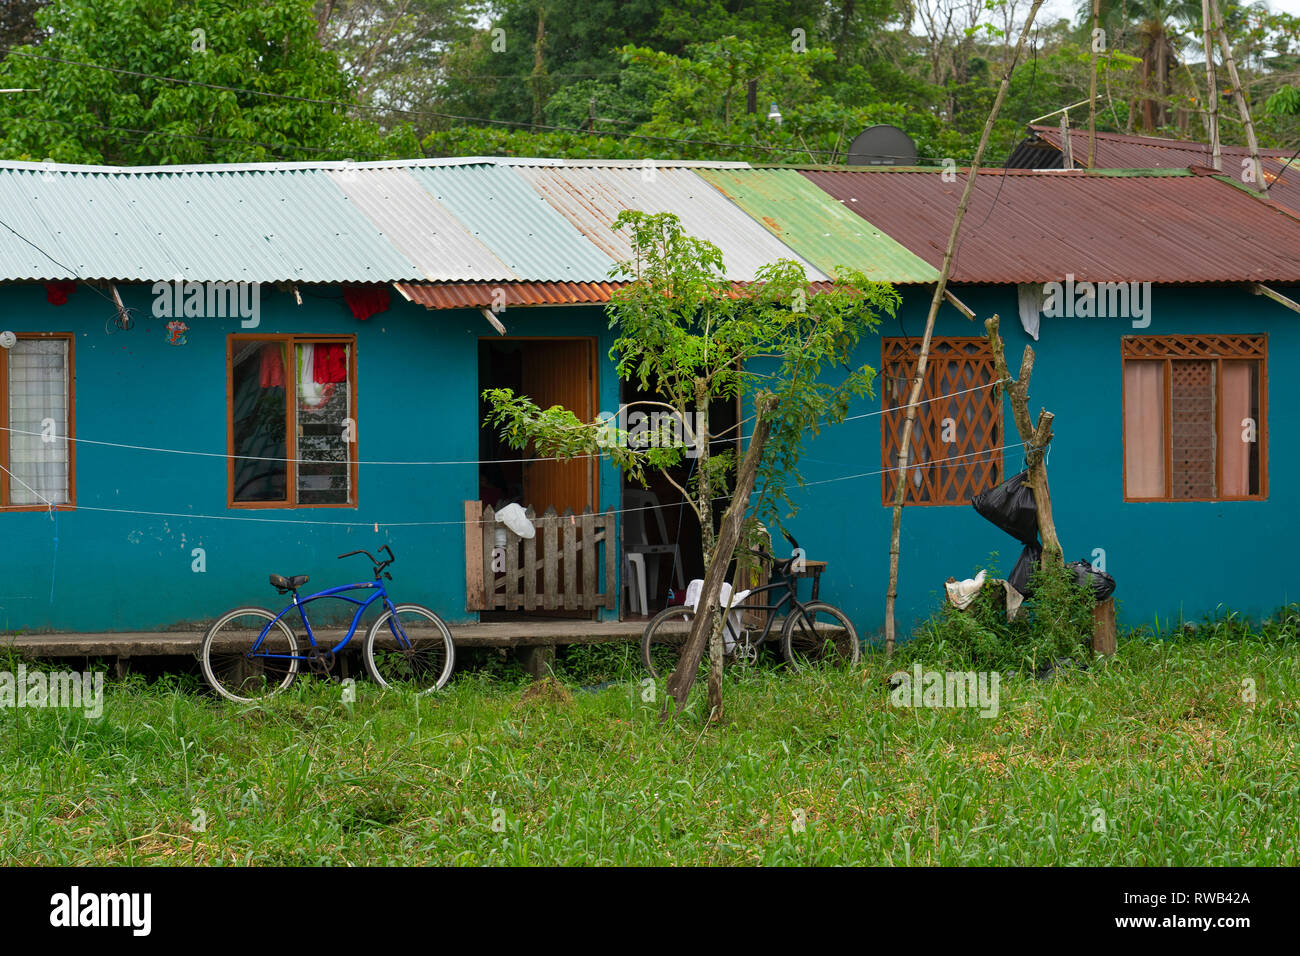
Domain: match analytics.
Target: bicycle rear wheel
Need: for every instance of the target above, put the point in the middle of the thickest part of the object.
(238, 672)
(820, 634)
(410, 649)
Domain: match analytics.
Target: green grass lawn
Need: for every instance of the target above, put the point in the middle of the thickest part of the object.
(1149, 758)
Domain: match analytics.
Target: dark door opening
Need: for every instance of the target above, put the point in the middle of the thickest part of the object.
(550, 372)
(663, 528)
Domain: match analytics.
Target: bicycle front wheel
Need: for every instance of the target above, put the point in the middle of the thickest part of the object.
(664, 639)
(819, 634)
(411, 648)
(242, 665)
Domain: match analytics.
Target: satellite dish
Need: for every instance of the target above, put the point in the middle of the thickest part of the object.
(882, 145)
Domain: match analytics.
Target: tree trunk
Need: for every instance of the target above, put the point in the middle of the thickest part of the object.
(891, 596)
(538, 79)
(1036, 439)
(708, 544)
(679, 684)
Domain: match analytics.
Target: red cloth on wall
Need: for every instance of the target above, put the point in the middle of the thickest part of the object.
(365, 301)
(56, 293)
(331, 364)
(272, 367)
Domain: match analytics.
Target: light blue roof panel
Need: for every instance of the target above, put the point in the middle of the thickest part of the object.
(510, 218)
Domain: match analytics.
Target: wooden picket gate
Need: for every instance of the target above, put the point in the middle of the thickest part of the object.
(558, 569)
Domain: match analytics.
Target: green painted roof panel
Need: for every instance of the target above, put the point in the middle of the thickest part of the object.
(817, 226)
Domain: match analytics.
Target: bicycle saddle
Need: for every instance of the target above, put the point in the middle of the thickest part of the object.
(283, 584)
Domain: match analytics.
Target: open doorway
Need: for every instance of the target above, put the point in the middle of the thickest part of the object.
(550, 372)
(560, 570)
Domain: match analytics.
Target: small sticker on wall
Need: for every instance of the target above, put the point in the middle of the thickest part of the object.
(176, 330)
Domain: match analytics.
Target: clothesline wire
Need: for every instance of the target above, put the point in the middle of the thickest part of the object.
(430, 524)
(487, 461)
(44, 500)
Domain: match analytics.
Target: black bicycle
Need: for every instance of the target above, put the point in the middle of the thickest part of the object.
(811, 634)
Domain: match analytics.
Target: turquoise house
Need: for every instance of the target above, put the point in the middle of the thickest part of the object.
(216, 373)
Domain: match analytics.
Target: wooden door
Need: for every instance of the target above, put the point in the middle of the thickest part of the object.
(561, 372)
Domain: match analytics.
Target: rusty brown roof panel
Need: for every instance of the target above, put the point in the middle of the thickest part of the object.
(1040, 225)
(1283, 182)
(1121, 151)
(483, 295)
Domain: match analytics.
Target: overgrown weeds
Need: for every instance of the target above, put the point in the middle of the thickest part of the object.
(1054, 627)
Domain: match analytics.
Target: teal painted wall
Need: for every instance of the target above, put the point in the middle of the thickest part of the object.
(417, 386)
(417, 383)
(1169, 559)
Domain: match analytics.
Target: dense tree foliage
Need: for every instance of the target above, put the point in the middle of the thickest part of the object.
(146, 81)
(156, 81)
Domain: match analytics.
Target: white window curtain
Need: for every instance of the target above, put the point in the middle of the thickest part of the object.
(1144, 429)
(38, 395)
(1238, 426)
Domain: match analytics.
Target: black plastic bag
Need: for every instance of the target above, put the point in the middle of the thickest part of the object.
(1101, 584)
(1011, 507)
(1028, 563)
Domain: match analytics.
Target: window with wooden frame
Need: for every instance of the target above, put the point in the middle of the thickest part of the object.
(956, 446)
(291, 421)
(36, 382)
(1195, 417)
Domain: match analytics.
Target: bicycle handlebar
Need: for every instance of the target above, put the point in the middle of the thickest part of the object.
(379, 565)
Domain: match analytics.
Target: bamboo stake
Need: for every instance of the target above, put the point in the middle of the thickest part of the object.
(891, 595)
(1211, 84)
(1092, 89)
(1239, 96)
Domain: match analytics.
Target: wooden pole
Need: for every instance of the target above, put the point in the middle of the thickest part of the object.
(1239, 96)
(1092, 88)
(891, 596)
(1103, 627)
(1211, 85)
(1067, 151)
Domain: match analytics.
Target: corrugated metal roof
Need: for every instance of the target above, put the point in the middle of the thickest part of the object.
(423, 229)
(204, 226)
(1121, 151)
(483, 295)
(621, 163)
(1028, 226)
(817, 226)
(533, 240)
(1283, 183)
(591, 198)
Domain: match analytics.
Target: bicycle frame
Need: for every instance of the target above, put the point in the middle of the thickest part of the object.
(791, 597)
(337, 592)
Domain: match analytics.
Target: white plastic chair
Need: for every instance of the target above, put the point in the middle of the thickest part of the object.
(637, 504)
(634, 582)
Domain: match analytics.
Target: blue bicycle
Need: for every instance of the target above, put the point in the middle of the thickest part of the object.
(251, 653)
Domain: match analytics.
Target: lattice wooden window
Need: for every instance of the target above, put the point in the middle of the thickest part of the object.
(1194, 417)
(957, 437)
